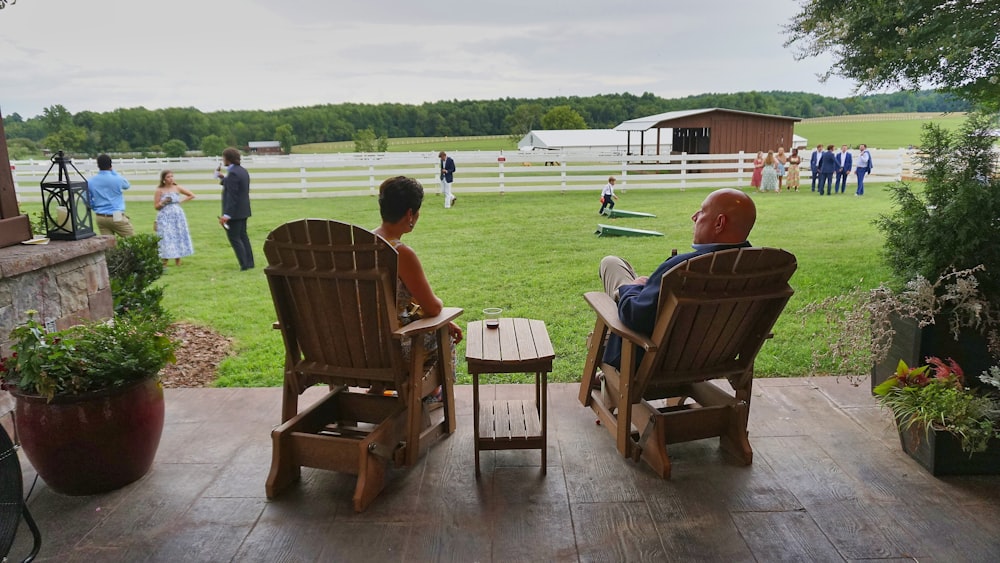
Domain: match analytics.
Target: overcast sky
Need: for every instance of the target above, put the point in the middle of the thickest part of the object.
(100, 55)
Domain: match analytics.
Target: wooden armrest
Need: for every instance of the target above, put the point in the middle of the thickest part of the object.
(607, 310)
(430, 324)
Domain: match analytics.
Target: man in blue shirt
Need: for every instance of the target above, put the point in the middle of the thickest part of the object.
(724, 221)
(107, 199)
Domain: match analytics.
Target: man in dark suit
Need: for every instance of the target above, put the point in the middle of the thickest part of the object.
(724, 221)
(814, 165)
(827, 168)
(447, 177)
(844, 164)
(236, 206)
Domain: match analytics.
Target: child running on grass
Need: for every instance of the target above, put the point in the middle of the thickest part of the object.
(608, 196)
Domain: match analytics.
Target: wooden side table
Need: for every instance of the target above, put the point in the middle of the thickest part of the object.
(516, 346)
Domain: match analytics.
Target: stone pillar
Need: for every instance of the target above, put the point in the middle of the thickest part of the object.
(65, 281)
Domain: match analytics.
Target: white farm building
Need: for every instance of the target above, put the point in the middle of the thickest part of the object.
(604, 141)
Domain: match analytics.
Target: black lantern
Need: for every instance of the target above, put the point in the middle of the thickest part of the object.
(66, 203)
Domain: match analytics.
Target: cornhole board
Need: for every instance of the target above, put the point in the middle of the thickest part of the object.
(613, 231)
(613, 213)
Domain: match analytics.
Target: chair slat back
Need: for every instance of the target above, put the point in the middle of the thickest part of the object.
(715, 313)
(334, 290)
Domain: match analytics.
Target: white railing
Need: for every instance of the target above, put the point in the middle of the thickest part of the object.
(329, 175)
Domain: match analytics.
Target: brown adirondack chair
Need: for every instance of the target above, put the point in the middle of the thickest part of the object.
(334, 291)
(715, 312)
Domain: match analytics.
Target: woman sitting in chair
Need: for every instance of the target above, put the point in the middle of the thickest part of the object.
(399, 201)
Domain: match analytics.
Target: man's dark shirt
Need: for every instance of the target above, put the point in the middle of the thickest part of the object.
(638, 304)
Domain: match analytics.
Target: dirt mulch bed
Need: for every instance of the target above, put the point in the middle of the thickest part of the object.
(198, 356)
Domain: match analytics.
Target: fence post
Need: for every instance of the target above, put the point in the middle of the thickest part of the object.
(302, 180)
(371, 175)
(562, 174)
(624, 175)
(684, 164)
(739, 171)
(500, 160)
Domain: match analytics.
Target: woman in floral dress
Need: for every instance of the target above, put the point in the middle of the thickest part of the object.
(171, 222)
(792, 174)
(769, 175)
(399, 201)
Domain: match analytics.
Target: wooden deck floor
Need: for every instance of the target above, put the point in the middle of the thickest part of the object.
(829, 483)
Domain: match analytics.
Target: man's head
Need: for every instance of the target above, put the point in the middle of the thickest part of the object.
(829, 148)
(726, 216)
(442, 155)
(231, 155)
(819, 147)
(843, 148)
(862, 146)
(104, 162)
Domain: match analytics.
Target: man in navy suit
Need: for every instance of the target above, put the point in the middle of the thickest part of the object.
(844, 163)
(827, 168)
(814, 165)
(724, 221)
(236, 206)
(447, 177)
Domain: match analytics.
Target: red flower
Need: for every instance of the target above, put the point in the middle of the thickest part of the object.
(946, 370)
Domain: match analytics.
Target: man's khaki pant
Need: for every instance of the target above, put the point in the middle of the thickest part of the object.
(108, 225)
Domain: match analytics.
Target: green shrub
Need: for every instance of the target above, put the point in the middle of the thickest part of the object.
(954, 223)
(133, 265)
(87, 357)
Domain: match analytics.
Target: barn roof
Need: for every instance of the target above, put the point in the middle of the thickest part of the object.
(661, 120)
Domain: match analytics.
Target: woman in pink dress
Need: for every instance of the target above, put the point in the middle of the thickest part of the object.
(758, 170)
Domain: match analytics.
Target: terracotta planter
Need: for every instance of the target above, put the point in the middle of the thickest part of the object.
(941, 452)
(95, 442)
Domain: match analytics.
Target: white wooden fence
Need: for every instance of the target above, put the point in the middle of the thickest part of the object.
(329, 175)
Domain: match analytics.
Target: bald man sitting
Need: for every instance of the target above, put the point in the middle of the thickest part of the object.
(724, 221)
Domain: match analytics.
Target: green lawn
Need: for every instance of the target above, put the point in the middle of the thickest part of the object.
(888, 134)
(534, 254)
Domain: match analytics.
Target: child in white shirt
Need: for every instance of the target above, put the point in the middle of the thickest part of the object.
(608, 196)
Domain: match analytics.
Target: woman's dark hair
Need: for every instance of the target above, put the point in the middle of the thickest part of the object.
(398, 195)
(163, 178)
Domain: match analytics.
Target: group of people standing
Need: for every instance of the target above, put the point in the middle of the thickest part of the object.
(107, 201)
(776, 171)
(770, 171)
(826, 166)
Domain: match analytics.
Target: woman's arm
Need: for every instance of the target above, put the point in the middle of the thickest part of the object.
(412, 274)
(157, 194)
(188, 195)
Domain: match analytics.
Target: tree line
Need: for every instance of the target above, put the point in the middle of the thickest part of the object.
(174, 131)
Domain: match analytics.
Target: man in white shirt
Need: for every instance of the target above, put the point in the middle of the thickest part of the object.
(864, 167)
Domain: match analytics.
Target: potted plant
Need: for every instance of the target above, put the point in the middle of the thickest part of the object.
(88, 400)
(876, 328)
(949, 225)
(944, 425)
(945, 231)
